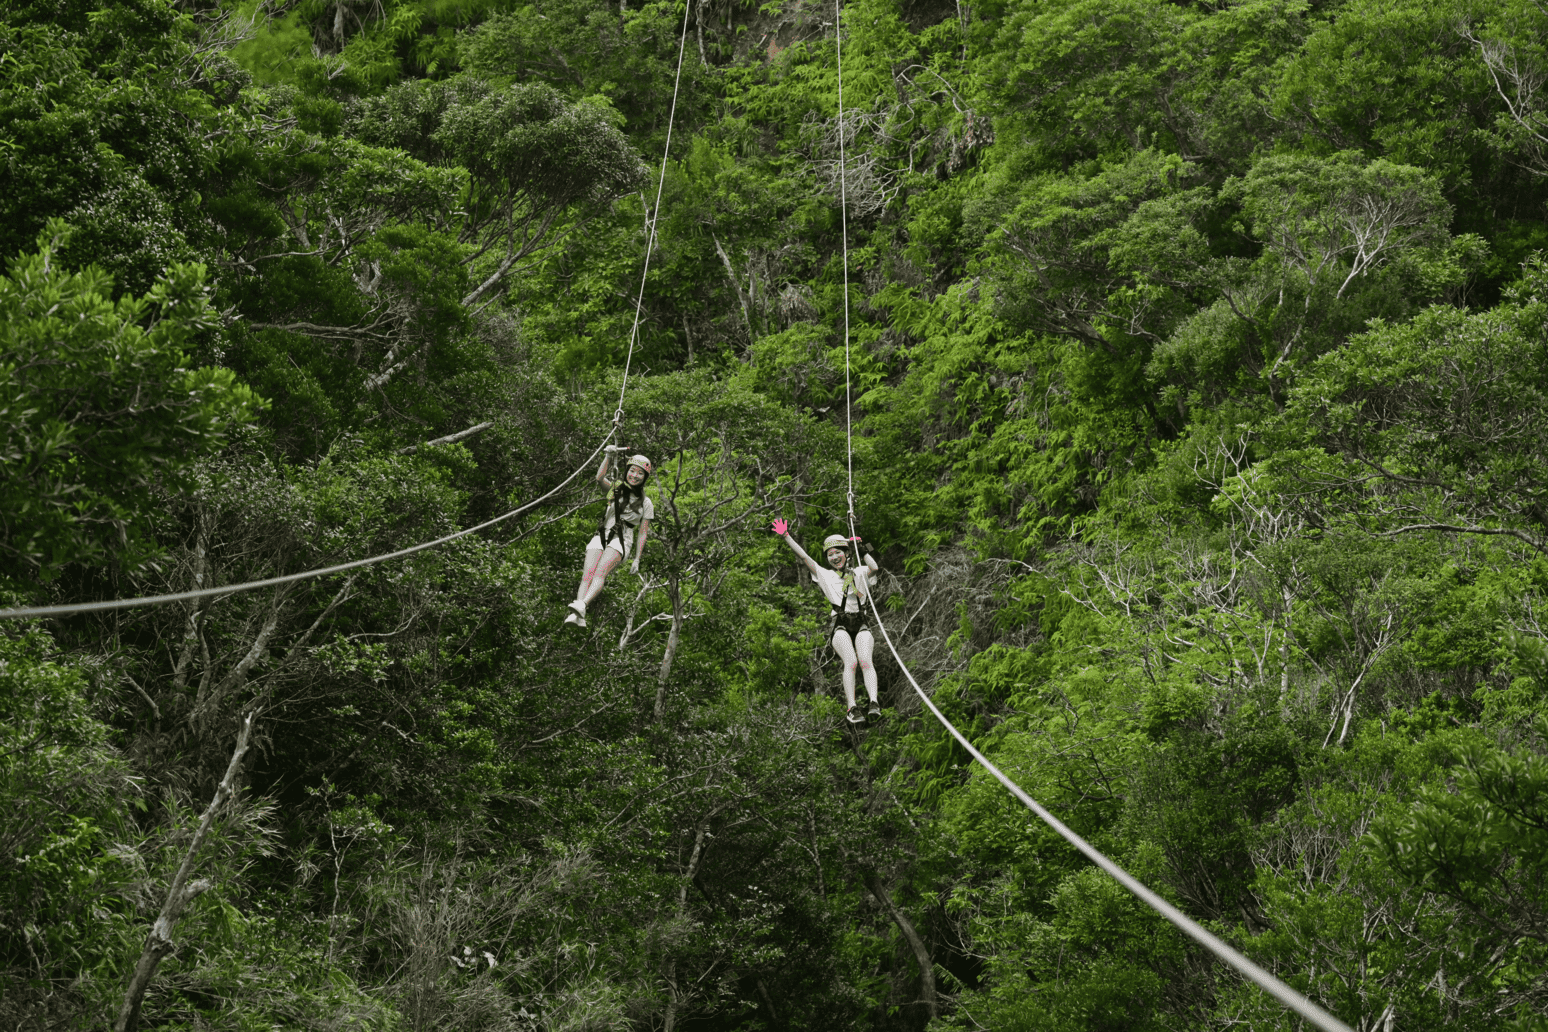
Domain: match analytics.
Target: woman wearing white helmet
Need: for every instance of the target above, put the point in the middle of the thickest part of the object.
(849, 593)
(627, 514)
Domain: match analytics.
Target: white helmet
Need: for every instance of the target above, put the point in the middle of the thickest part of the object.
(834, 541)
(640, 461)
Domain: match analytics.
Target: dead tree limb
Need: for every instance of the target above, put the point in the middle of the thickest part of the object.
(448, 439)
(159, 943)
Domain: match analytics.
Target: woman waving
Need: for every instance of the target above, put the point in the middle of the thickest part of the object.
(849, 593)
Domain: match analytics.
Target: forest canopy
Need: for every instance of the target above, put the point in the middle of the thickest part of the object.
(1191, 361)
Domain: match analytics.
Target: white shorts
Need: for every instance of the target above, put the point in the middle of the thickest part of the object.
(613, 543)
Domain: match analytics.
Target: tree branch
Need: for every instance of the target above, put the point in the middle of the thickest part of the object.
(921, 954)
(1453, 528)
(158, 942)
(449, 438)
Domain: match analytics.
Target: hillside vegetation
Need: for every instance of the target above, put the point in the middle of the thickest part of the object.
(1199, 357)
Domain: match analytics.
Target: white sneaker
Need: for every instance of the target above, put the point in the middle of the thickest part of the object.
(579, 607)
(578, 621)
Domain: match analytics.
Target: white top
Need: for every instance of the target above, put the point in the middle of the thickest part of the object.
(831, 582)
(631, 517)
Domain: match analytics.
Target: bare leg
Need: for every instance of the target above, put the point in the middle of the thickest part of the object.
(865, 645)
(588, 573)
(846, 653)
(606, 564)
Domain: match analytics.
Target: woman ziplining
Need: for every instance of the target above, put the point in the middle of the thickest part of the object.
(627, 504)
(637, 511)
(627, 513)
(849, 593)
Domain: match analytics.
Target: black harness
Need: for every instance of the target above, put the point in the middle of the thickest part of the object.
(622, 502)
(854, 622)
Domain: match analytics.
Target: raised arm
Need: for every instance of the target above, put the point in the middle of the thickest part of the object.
(872, 568)
(783, 530)
(607, 460)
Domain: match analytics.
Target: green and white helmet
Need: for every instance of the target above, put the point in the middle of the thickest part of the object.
(834, 541)
(640, 461)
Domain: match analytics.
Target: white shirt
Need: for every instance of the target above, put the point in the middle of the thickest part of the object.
(631, 517)
(831, 582)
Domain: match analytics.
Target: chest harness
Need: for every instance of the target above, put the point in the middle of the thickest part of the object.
(854, 622)
(626, 508)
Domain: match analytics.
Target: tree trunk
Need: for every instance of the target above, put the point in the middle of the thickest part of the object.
(191, 631)
(921, 954)
(816, 665)
(752, 291)
(767, 1000)
(1284, 649)
(675, 593)
(822, 887)
(159, 943)
(670, 1020)
(634, 611)
(698, 18)
(736, 285)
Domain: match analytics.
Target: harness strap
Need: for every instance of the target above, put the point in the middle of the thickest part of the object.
(863, 601)
(610, 503)
(615, 505)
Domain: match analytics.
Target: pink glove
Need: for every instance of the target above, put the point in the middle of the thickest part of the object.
(780, 526)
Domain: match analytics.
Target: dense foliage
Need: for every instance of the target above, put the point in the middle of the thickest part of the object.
(1199, 367)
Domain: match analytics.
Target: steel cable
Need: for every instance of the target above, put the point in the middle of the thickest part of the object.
(849, 446)
(290, 578)
(1189, 927)
(654, 215)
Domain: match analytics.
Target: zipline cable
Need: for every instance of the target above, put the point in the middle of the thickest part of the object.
(654, 215)
(290, 578)
(849, 445)
(1265, 981)
(30, 612)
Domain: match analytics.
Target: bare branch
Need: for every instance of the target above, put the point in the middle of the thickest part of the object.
(449, 438)
(158, 942)
(1455, 529)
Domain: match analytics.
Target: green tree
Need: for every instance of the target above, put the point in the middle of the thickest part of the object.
(530, 158)
(101, 410)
